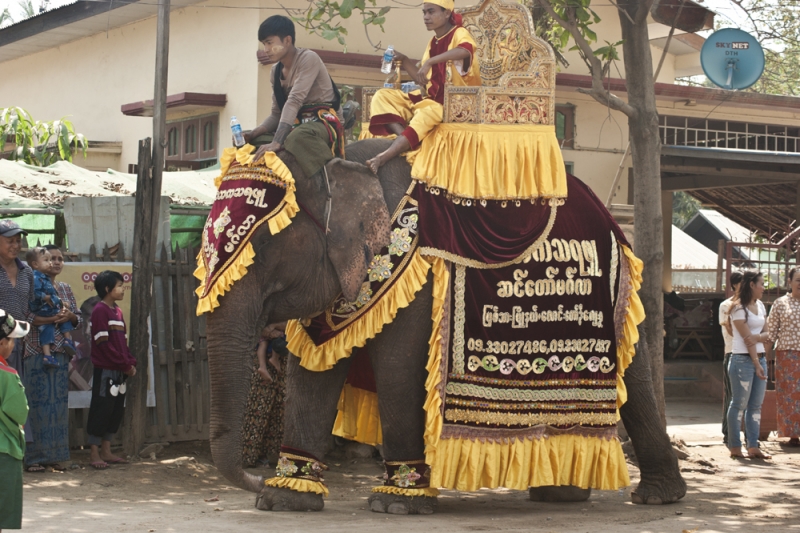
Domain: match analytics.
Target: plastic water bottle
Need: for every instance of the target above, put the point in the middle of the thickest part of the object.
(236, 129)
(388, 59)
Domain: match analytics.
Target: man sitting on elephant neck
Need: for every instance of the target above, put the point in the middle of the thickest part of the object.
(303, 96)
(412, 116)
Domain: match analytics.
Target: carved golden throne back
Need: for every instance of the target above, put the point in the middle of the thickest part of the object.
(518, 75)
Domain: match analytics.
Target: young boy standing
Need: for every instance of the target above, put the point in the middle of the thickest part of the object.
(305, 101)
(13, 412)
(412, 116)
(113, 363)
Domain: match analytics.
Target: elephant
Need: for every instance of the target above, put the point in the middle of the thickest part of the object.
(298, 272)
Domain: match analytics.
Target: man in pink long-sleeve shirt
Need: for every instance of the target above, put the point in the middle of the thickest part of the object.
(113, 363)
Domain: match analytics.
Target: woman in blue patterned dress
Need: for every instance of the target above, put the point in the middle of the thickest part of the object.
(48, 388)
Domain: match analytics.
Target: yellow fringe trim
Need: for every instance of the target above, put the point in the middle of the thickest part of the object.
(576, 460)
(634, 316)
(410, 156)
(585, 462)
(280, 220)
(234, 272)
(358, 418)
(497, 162)
(428, 492)
(400, 295)
(297, 485)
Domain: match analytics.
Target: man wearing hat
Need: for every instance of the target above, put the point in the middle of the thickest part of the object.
(13, 412)
(413, 115)
(16, 281)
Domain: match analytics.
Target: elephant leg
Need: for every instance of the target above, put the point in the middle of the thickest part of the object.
(311, 401)
(399, 356)
(661, 478)
(554, 493)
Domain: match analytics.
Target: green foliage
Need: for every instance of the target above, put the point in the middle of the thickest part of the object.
(776, 25)
(684, 207)
(5, 17)
(320, 17)
(583, 16)
(38, 143)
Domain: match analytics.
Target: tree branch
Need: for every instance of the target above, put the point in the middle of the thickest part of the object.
(626, 13)
(598, 92)
(643, 11)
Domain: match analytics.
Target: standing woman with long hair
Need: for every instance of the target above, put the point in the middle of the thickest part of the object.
(784, 328)
(748, 365)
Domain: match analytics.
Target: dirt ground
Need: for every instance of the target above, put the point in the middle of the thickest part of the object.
(181, 491)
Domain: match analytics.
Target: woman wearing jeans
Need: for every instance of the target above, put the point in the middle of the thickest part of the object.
(748, 365)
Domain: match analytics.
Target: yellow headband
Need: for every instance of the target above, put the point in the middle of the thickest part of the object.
(449, 5)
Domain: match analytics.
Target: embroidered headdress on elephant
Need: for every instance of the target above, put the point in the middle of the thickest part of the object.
(477, 322)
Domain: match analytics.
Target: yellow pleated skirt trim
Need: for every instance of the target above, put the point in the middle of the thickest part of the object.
(634, 316)
(358, 418)
(492, 162)
(399, 295)
(235, 271)
(428, 492)
(297, 485)
(585, 462)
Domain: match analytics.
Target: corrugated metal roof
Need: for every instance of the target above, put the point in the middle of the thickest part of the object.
(733, 231)
(688, 252)
(25, 186)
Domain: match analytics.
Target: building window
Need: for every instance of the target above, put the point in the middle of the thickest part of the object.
(570, 166)
(172, 141)
(209, 127)
(190, 140)
(192, 143)
(208, 136)
(565, 125)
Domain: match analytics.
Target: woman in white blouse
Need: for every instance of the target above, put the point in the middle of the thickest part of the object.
(748, 365)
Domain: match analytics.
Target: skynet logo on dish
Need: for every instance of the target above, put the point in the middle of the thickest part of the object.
(735, 46)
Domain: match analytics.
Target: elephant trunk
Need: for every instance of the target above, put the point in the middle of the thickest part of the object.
(230, 364)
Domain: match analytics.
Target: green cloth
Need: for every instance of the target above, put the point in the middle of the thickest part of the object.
(310, 145)
(10, 492)
(13, 412)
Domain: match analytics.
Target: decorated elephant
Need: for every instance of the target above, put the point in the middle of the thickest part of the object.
(342, 240)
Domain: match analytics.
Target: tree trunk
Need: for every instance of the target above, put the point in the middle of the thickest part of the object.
(661, 480)
(646, 157)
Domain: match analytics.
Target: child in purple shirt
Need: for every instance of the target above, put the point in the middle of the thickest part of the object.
(113, 364)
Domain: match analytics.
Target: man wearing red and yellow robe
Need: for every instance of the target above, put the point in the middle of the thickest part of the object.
(411, 116)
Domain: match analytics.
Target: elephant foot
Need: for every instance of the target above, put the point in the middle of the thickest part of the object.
(566, 493)
(280, 499)
(659, 492)
(380, 502)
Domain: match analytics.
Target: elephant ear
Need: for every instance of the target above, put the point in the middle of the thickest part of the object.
(359, 223)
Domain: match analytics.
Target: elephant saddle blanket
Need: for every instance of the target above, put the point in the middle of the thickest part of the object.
(249, 194)
(534, 322)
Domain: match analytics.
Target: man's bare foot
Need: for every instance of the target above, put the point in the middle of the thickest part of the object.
(377, 162)
(756, 453)
(736, 452)
(399, 145)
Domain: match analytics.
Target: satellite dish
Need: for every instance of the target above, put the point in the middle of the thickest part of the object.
(732, 59)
